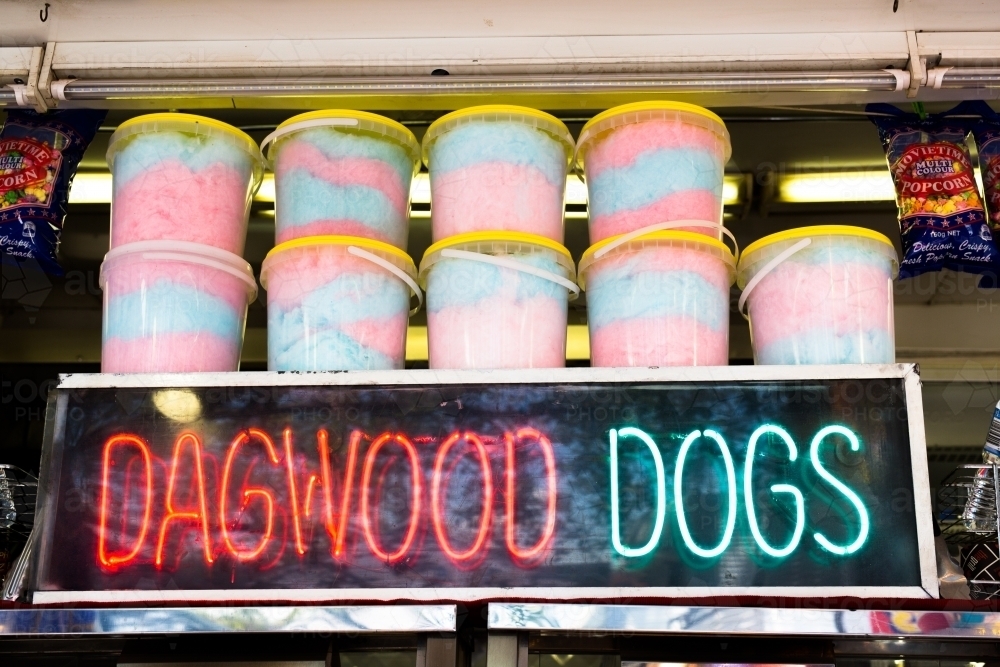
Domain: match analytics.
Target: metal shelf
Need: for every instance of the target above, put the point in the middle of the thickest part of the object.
(743, 621)
(47, 622)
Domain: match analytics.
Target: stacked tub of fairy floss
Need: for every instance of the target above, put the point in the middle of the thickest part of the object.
(176, 288)
(657, 274)
(339, 282)
(820, 295)
(498, 278)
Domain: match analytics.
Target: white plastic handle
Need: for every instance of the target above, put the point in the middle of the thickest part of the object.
(205, 261)
(660, 226)
(393, 269)
(508, 263)
(770, 266)
(306, 124)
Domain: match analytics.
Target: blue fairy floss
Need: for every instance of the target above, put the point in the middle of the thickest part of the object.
(503, 141)
(456, 282)
(168, 307)
(652, 176)
(822, 346)
(145, 151)
(630, 291)
(308, 335)
(337, 143)
(841, 255)
(306, 199)
(329, 350)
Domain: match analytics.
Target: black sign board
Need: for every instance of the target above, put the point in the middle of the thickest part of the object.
(421, 485)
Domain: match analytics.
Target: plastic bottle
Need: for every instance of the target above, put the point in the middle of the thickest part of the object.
(981, 508)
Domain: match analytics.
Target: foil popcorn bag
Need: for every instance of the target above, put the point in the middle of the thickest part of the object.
(942, 220)
(39, 154)
(986, 132)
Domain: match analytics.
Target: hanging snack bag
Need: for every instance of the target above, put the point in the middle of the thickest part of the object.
(941, 217)
(987, 135)
(38, 158)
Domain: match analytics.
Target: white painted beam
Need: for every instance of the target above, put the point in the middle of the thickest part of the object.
(15, 63)
(583, 54)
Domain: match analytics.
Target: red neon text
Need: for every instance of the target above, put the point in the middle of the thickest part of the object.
(248, 500)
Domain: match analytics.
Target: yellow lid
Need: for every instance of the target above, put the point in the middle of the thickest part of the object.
(366, 122)
(390, 253)
(492, 243)
(818, 230)
(180, 122)
(501, 112)
(764, 249)
(672, 238)
(638, 112)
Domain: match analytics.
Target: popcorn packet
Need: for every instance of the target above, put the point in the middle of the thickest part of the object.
(942, 220)
(39, 154)
(986, 132)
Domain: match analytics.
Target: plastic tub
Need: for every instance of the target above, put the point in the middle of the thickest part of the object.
(337, 303)
(342, 173)
(173, 307)
(653, 162)
(661, 299)
(182, 178)
(820, 295)
(496, 168)
(497, 300)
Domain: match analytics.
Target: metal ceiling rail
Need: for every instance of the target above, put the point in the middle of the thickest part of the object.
(888, 80)
(40, 622)
(749, 621)
(80, 90)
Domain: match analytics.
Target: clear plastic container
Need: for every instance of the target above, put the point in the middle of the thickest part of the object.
(820, 295)
(497, 168)
(181, 177)
(497, 300)
(337, 303)
(653, 162)
(345, 173)
(661, 299)
(173, 307)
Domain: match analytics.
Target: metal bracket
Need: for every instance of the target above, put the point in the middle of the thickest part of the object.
(28, 95)
(44, 90)
(935, 77)
(917, 66)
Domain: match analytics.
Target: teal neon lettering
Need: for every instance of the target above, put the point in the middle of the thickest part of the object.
(840, 486)
(800, 512)
(661, 494)
(727, 535)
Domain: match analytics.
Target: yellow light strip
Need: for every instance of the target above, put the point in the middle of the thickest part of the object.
(91, 188)
(577, 343)
(844, 186)
(731, 189)
(95, 188)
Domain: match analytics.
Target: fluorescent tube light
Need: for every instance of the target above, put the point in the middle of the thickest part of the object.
(266, 190)
(731, 189)
(843, 186)
(577, 343)
(874, 185)
(91, 188)
(95, 188)
(650, 84)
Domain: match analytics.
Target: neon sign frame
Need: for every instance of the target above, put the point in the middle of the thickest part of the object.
(315, 488)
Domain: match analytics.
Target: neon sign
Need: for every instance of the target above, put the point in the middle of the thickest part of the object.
(730, 523)
(473, 487)
(217, 530)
